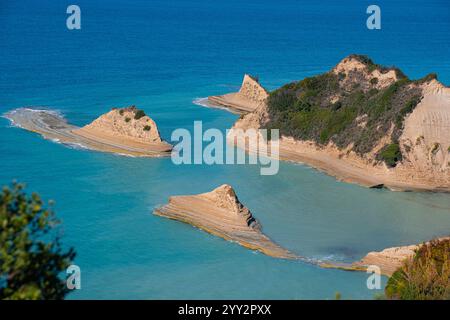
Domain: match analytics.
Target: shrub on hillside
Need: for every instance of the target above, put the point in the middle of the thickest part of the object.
(391, 154)
(139, 114)
(424, 277)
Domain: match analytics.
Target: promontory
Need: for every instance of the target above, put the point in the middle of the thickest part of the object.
(360, 122)
(220, 213)
(127, 131)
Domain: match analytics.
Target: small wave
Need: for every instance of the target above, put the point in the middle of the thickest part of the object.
(336, 258)
(54, 112)
(125, 155)
(72, 145)
(201, 102)
(10, 114)
(12, 123)
(204, 102)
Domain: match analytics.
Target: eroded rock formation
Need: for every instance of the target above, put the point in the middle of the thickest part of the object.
(220, 213)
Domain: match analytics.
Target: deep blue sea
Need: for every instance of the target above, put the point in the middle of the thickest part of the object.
(161, 56)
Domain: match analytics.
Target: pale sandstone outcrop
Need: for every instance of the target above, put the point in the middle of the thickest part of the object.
(220, 213)
(390, 259)
(250, 96)
(353, 69)
(425, 142)
(122, 123)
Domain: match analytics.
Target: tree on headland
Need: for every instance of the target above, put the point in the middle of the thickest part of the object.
(31, 256)
(424, 277)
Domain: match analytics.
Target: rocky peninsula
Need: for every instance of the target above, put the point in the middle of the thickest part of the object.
(220, 213)
(127, 131)
(362, 123)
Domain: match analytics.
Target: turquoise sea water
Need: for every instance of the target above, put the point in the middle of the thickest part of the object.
(162, 55)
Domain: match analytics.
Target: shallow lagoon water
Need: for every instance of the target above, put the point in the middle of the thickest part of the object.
(161, 56)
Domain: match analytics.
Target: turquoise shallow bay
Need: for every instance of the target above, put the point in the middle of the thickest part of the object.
(162, 55)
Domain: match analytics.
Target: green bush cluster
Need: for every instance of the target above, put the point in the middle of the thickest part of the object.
(424, 277)
(147, 128)
(303, 110)
(139, 114)
(391, 154)
(371, 66)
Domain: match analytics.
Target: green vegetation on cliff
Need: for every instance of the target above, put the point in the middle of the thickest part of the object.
(332, 107)
(425, 277)
(391, 154)
(139, 114)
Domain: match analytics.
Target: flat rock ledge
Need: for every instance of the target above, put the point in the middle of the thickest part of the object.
(249, 97)
(220, 213)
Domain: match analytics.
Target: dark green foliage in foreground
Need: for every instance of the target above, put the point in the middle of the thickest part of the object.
(360, 114)
(30, 267)
(147, 128)
(425, 277)
(139, 114)
(391, 154)
(127, 119)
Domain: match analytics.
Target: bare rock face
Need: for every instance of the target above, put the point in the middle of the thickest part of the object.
(220, 213)
(224, 197)
(129, 123)
(252, 90)
(425, 142)
(390, 259)
(353, 70)
(250, 96)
